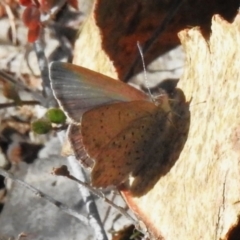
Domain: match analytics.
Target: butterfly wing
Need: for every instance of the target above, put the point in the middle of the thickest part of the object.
(75, 139)
(78, 89)
(119, 137)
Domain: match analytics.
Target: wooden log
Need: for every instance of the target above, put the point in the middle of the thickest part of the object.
(199, 197)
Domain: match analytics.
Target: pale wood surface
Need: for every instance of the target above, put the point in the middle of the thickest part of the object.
(198, 197)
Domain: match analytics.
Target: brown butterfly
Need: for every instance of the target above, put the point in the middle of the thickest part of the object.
(119, 127)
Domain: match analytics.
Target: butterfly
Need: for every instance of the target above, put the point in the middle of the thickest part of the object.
(119, 128)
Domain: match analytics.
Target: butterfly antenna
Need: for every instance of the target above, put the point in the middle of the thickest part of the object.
(145, 72)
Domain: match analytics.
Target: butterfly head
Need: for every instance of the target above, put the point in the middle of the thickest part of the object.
(161, 99)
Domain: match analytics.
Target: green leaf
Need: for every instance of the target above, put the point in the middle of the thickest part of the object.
(56, 115)
(41, 126)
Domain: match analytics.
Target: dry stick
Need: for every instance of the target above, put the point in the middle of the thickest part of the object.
(91, 207)
(53, 12)
(11, 21)
(27, 52)
(43, 65)
(8, 78)
(172, 11)
(39, 193)
(95, 220)
(42, 60)
(108, 209)
(101, 195)
(13, 104)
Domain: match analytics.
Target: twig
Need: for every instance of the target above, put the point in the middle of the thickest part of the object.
(172, 11)
(53, 12)
(39, 193)
(91, 207)
(13, 104)
(101, 195)
(108, 209)
(11, 21)
(43, 64)
(89, 202)
(94, 218)
(8, 78)
(26, 57)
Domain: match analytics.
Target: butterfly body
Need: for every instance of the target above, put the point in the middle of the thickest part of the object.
(119, 124)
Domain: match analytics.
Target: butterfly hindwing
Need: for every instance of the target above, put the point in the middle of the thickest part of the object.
(75, 139)
(119, 137)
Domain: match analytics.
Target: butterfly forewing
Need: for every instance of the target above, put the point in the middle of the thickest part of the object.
(78, 89)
